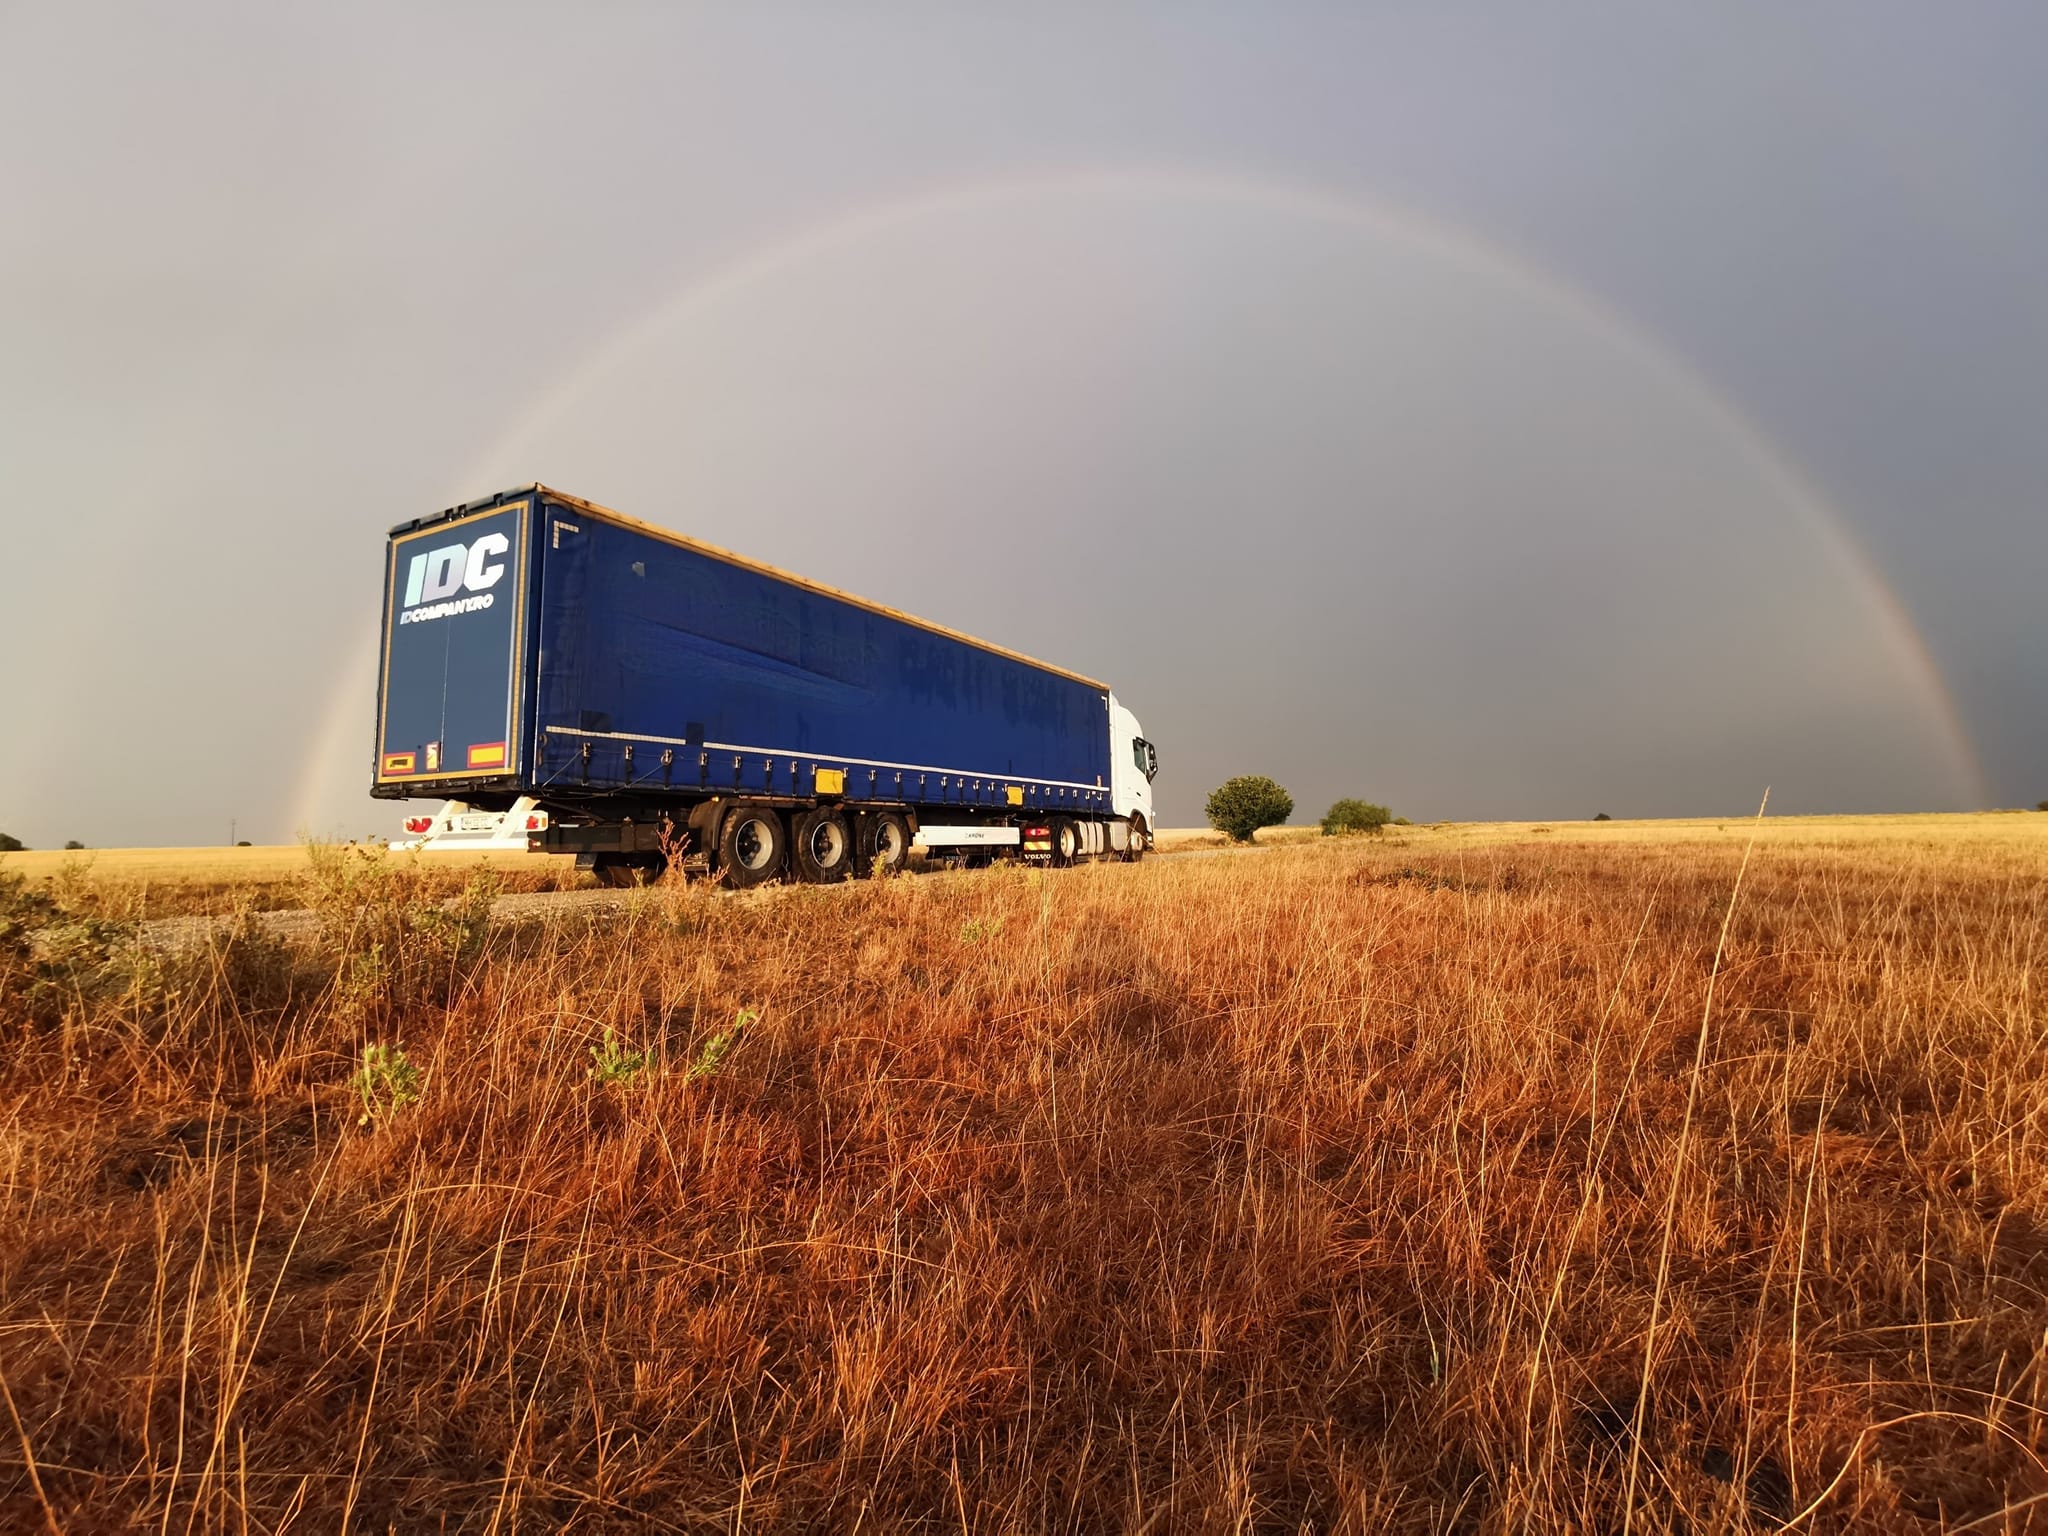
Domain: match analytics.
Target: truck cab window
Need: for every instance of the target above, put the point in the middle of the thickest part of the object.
(1146, 758)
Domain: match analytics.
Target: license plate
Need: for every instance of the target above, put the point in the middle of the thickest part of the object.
(478, 821)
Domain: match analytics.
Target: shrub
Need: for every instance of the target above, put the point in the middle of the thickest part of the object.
(1355, 816)
(74, 846)
(57, 951)
(1602, 816)
(11, 844)
(392, 942)
(2043, 806)
(1240, 806)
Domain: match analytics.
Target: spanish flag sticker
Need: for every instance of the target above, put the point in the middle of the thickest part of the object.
(487, 754)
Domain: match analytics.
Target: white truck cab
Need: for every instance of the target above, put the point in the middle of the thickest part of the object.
(1133, 764)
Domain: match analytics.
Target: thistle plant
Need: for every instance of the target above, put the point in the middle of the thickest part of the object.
(715, 1049)
(614, 1063)
(387, 1083)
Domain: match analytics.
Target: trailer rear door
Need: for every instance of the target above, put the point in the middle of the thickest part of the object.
(454, 626)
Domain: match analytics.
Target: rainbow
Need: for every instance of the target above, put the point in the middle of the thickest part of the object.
(341, 742)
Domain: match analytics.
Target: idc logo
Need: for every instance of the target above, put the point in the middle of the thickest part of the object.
(435, 580)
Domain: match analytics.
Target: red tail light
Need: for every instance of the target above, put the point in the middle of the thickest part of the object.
(418, 823)
(537, 822)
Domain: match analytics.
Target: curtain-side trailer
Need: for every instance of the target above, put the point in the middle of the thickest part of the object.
(654, 696)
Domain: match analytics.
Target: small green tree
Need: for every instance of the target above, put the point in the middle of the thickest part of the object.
(2043, 806)
(74, 846)
(1355, 816)
(1239, 807)
(10, 844)
(1603, 816)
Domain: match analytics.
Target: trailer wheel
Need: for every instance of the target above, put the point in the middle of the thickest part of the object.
(884, 835)
(823, 847)
(1066, 842)
(752, 846)
(626, 870)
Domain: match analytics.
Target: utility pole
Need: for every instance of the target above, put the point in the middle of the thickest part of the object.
(231, 831)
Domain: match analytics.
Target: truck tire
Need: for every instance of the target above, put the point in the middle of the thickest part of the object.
(822, 848)
(753, 846)
(1134, 840)
(626, 870)
(1066, 842)
(884, 835)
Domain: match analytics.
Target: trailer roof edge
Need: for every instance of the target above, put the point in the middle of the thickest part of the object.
(717, 552)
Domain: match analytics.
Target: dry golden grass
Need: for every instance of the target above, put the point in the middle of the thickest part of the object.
(1332, 1187)
(144, 883)
(1875, 834)
(254, 866)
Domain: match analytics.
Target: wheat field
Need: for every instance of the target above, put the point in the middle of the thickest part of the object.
(1611, 1178)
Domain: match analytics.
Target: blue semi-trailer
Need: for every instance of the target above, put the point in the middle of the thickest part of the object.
(651, 696)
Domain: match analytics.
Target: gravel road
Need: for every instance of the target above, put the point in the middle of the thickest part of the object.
(299, 925)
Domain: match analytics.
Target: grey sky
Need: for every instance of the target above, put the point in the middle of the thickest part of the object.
(1437, 404)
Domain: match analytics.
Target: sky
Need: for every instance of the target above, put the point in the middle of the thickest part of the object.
(1491, 411)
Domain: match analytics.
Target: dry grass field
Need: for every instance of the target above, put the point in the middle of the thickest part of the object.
(1469, 1179)
(141, 884)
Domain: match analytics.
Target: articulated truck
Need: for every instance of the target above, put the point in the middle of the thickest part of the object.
(646, 697)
